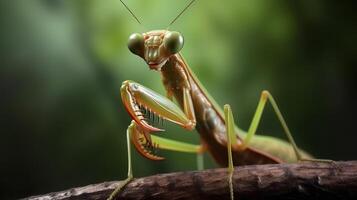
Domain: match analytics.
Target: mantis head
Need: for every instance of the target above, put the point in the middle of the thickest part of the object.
(155, 47)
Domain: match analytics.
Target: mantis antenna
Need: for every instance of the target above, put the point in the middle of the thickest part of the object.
(188, 5)
(130, 11)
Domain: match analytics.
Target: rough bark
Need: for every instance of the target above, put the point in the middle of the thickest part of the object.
(307, 180)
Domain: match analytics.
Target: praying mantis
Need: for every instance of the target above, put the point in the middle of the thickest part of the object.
(227, 143)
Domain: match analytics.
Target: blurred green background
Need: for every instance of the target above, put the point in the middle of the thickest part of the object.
(62, 64)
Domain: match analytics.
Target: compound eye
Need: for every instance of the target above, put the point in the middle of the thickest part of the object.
(136, 44)
(173, 42)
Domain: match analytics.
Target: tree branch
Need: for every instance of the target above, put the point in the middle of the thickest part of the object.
(307, 180)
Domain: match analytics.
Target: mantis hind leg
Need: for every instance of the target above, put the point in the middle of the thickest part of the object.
(231, 140)
(130, 170)
(266, 96)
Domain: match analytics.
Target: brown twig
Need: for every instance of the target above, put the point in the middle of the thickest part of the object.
(307, 180)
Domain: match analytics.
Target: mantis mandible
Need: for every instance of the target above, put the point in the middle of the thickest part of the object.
(229, 145)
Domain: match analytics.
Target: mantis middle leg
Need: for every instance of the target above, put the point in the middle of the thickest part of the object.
(130, 170)
(231, 140)
(135, 134)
